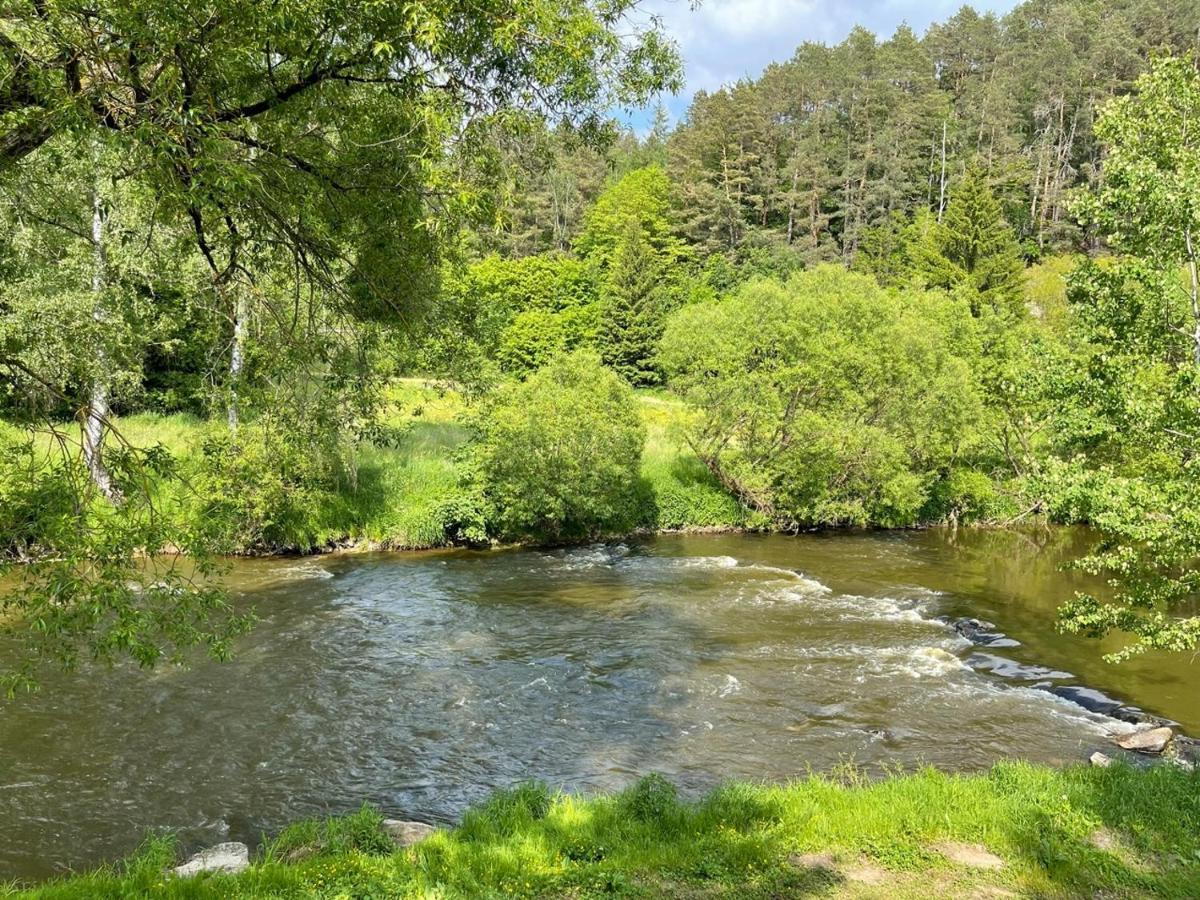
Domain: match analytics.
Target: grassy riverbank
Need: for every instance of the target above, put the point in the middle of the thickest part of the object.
(1018, 830)
(407, 483)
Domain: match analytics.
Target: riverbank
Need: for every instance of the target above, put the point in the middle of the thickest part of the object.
(1016, 830)
(404, 489)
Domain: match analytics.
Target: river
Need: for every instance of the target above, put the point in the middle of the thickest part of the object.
(421, 682)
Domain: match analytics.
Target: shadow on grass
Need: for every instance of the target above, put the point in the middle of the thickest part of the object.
(1093, 829)
(743, 841)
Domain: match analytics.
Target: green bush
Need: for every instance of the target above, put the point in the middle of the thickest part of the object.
(516, 313)
(535, 336)
(557, 456)
(271, 485)
(827, 400)
(509, 811)
(652, 799)
(360, 831)
(966, 495)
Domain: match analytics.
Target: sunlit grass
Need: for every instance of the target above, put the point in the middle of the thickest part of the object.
(879, 838)
(401, 484)
(684, 494)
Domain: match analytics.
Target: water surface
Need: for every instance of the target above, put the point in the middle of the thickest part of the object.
(421, 682)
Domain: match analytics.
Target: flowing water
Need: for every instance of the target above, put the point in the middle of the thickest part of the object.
(421, 682)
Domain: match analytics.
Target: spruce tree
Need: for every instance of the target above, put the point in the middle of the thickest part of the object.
(973, 247)
(633, 308)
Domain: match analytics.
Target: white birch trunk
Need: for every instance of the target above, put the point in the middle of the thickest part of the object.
(96, 422)
(942, 180)
(237, 355)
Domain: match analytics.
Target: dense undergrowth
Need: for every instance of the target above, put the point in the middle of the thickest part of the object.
(1074, 832)
(404, 487)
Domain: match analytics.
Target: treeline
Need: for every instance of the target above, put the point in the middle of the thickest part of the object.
(803, 161)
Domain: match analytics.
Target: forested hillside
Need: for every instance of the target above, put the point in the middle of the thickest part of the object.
(804, 161)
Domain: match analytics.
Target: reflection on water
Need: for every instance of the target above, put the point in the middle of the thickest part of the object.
(422, 682)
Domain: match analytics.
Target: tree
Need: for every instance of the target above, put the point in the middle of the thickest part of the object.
(633, 308)
(558, 455)
(826, 400)
(629, 238)
(314, 131)
(510, 314)
(641, 197)
(320, 151)
(974, 249)
(1140, 385)
(1148, 204)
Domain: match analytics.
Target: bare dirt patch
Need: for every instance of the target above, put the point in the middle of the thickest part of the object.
(973, 856)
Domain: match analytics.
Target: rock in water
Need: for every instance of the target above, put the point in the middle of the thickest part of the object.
(1154, 740)
(1087, 698)
(1100, 760)
(229, 858)
(407, 833)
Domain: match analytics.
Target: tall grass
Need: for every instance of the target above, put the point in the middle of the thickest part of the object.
(401, 487)
(1076, 832)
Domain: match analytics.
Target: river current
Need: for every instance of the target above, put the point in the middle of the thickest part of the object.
(421, 682)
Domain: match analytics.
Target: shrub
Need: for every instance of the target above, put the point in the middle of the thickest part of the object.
(557, 456)
(270, 485)
(513, 312)
(827, 400)
(361, 831)
(537, 335)
(509, 811)
(967, 496)
(652, 799)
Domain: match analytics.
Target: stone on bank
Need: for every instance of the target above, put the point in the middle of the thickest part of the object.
(1152, 740)
(228, 859)
(406, 834)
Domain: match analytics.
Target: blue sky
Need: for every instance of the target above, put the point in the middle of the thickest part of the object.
(724, 40)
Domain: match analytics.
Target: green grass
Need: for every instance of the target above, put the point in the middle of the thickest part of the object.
(405, 483)
(683, 494)
(1075, 832)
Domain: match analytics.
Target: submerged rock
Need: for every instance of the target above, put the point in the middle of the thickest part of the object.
(1089, 699)
(1187, 750)
(1008, 668)
(228, 858)
(1136, 716)
(407, 833)
(983, 633)
(1153, 740)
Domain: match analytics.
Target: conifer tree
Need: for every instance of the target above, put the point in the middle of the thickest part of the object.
(973, 247)
(633, 308)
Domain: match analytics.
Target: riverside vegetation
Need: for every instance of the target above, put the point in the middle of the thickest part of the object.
(1070, 832)
(283, 277)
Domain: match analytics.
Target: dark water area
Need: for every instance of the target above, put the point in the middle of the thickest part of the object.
(422, 682)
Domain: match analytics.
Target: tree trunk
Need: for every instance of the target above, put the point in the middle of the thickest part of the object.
(96, 421)
(237, 354)
(1194, 279)
(791, 226)
(942, 180)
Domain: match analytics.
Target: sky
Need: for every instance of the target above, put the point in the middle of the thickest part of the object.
(724, 40)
